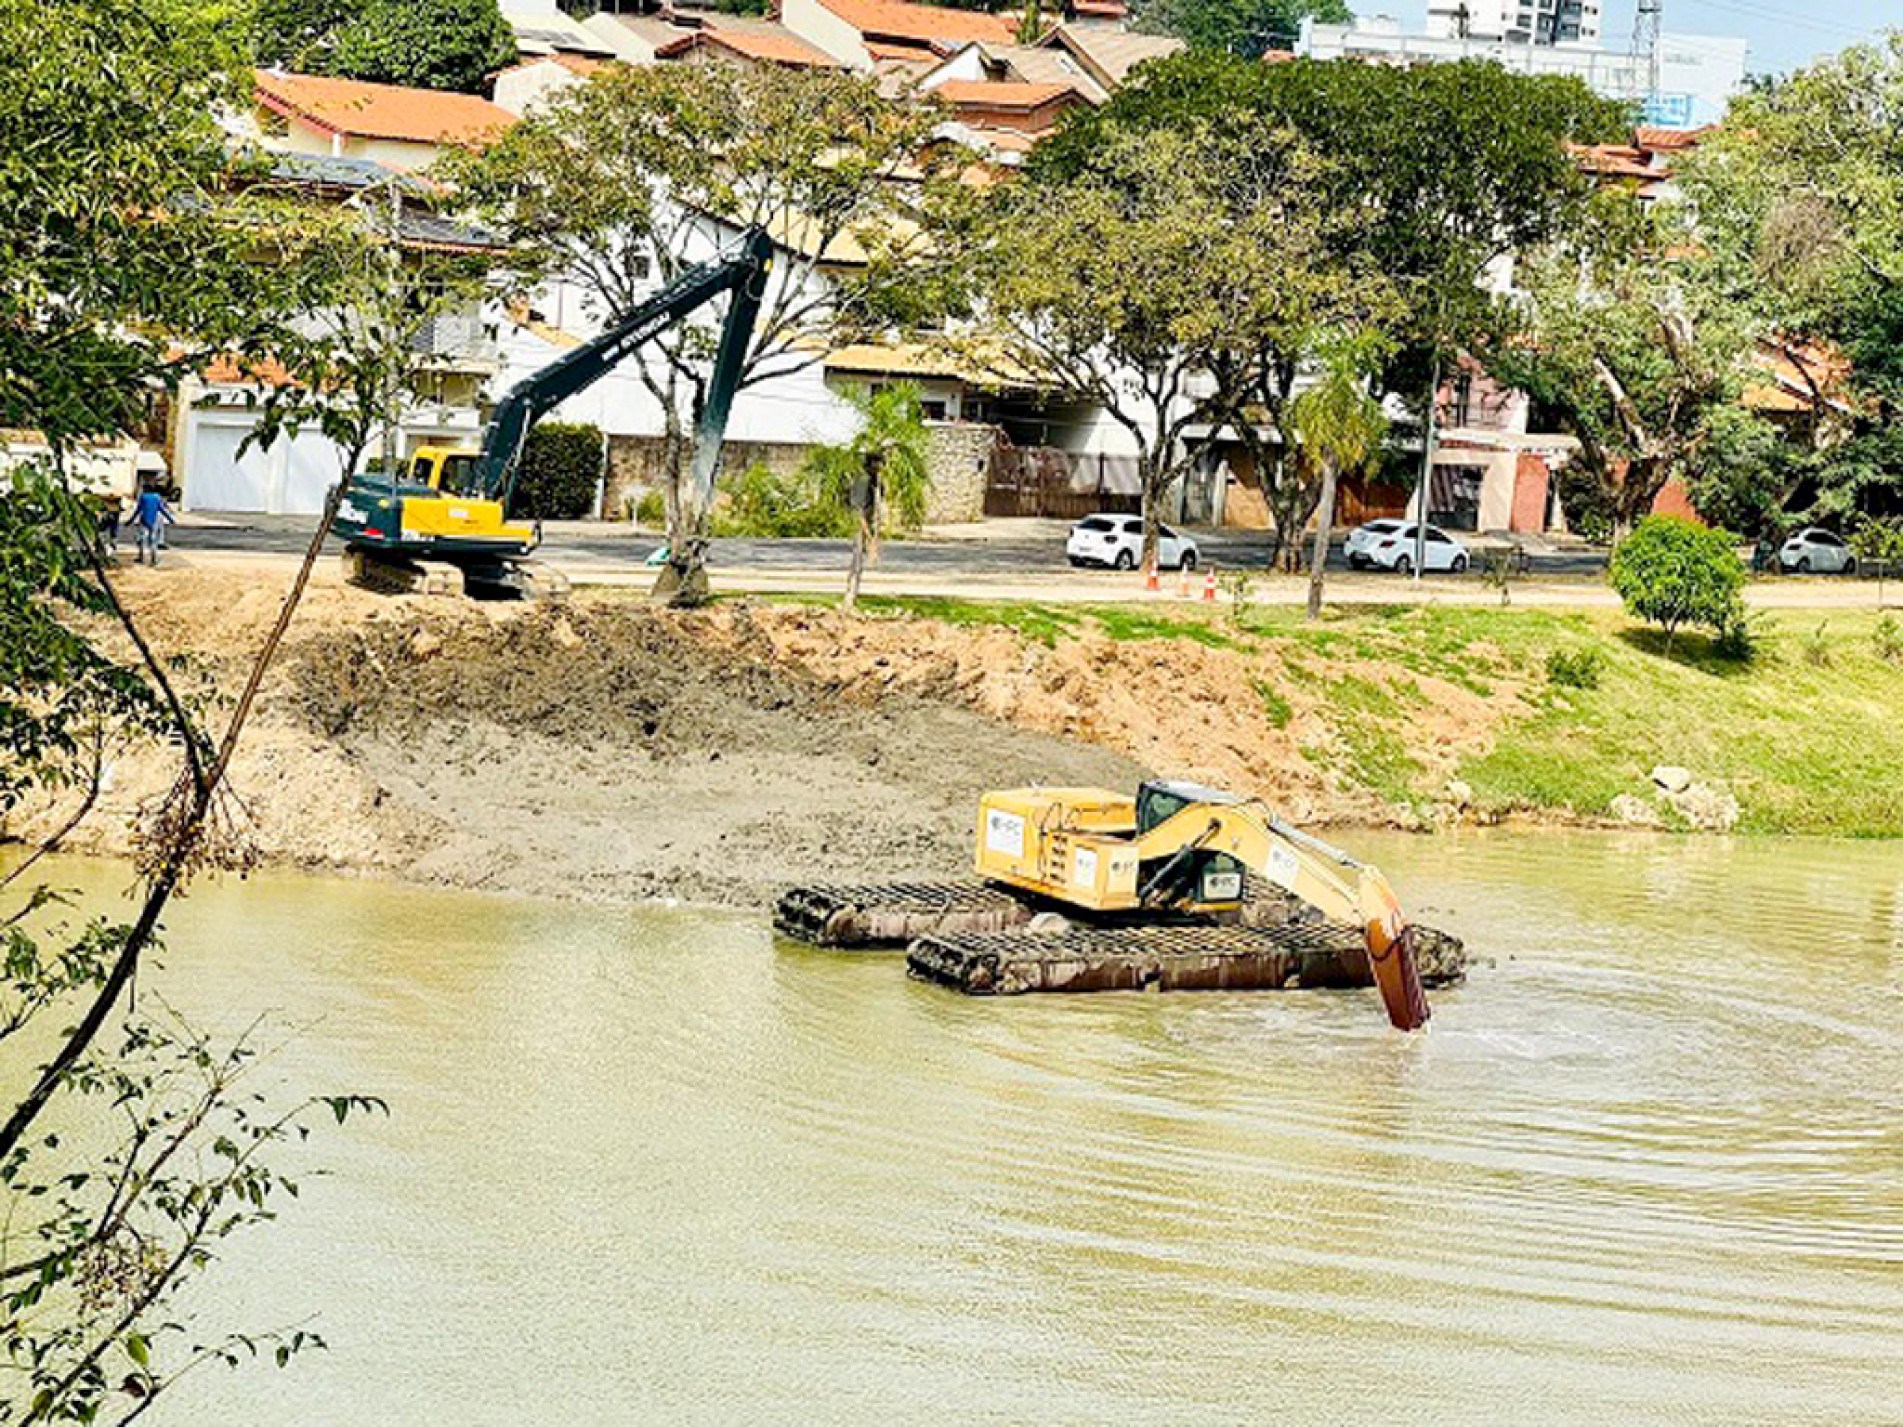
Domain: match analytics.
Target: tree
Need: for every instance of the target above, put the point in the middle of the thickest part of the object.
(1674, 572)
(1434, 178)
(1879, 545)
(1237, 27)
(424, 44)
(1634, 355)
(131, 255)
(560, 472)
(1799, 197)
(884, 468)
(636, 175)
(1338, 428)
(1155, 277)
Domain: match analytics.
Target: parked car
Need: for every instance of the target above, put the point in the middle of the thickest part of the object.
(1117, 541)
(1389, 545)
(1814, 551)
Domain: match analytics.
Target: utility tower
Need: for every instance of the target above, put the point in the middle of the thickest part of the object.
(1645, 47)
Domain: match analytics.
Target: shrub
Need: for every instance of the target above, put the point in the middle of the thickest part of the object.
(1574, 668)
(651, 510)
(1888, 638)
(1239, 585)
(1673, 572)
(561, 467)
(426, 44)
(758, 502)
(1817, 647)
(1740, 637)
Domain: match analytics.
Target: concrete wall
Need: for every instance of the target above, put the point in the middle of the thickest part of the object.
(637, 464)
(817, 25)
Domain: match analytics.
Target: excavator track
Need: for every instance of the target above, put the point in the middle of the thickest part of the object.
(893, 914)
(384, 575)
(1164, 958)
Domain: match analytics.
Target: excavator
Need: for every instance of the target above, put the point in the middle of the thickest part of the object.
(1180, 887)
(450, 504)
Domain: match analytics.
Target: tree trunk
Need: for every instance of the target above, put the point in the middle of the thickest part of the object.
(1152, 522)
(1324, 527)
(865, 502)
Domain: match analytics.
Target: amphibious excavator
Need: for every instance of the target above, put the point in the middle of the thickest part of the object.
(1180, 887)
(450, 504)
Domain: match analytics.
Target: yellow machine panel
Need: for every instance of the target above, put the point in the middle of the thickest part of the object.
(460, 517)
(1070, 843)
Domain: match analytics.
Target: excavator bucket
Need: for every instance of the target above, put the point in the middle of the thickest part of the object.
(1397, 971)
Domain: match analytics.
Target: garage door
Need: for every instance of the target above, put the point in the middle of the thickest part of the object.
(218, 478)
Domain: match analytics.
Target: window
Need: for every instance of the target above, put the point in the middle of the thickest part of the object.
(932, 410)
(1096, 523)
(1434, 537)
(1826, 539)
(1132, 527)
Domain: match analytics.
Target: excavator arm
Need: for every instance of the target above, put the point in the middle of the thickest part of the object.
(1321, 875)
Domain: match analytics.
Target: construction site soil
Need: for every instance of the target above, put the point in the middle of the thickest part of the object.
(606, 749)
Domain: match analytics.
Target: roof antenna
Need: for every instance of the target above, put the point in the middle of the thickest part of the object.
(1645, 48)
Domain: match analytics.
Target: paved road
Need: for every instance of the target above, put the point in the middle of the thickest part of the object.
(1019, 551)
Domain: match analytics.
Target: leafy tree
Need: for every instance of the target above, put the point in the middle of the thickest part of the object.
(1635, 356)
(1338, 428)
(884, 471)
(1162, 260)
(427, 44)
(132, 252)
(1237, 27)
(299, 35)
(1436, 176)
(631, 178)
(560, 470)
(1879, 545)
(1674, 572)
(1800, 210)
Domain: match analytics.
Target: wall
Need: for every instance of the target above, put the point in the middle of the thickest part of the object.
(637, 464)
(529, 85)
(817, 25)
(959, 461)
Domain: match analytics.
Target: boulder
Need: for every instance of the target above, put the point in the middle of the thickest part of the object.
(1672, 778)
(1459, 793)
(1706, 808)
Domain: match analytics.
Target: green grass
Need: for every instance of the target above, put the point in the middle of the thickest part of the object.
(1805, 747)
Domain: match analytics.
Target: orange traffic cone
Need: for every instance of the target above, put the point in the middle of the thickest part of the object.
(1150, 580)
(1182, 589)
(1209, 586)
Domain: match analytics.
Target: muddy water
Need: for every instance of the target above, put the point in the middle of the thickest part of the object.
(649, 1167)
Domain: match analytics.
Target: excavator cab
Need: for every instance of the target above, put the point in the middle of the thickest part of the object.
(1192, 878)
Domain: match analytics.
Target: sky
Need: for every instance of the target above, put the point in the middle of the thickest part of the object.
(1784, 34)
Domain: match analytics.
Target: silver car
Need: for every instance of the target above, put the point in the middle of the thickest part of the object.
(1816, 552)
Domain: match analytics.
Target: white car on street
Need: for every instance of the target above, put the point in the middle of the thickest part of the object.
(1816, 552)
(1117, 541)
(1390, 545)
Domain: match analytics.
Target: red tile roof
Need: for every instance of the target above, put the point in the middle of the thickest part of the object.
(922, 24)
(786, 49)
(1615, 161)
(1001, 94)
(1650, 136)
(381, 111)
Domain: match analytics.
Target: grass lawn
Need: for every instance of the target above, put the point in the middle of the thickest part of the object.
(1808, 736)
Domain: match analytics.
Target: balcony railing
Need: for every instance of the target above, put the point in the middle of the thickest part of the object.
(454, 337)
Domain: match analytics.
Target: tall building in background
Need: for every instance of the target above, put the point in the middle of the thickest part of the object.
(1521, 22)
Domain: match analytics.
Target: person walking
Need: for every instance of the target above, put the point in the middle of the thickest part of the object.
(150, 516)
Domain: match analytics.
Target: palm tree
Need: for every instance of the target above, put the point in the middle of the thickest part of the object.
(886, 464)
(1339, 428)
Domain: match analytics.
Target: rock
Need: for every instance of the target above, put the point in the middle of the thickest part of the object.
(1636, 812)
(1459, 793)
(423, 644)
(1705, 807)
(563, 633)
(1672, 778)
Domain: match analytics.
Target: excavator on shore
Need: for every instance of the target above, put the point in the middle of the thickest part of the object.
(1181, 887)
(449, 505)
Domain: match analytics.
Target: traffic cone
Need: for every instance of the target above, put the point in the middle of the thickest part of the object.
(1150, 580)
(1182, 589)
(1209, 586)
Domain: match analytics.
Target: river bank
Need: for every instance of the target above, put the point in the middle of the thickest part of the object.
(608, 750)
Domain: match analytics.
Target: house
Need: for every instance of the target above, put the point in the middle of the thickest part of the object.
(385, 124)
(207, 424)
(1109, 55)
(866, 33)
(1031, 109)
(1021, 64)
(523, 87)
(740, 40)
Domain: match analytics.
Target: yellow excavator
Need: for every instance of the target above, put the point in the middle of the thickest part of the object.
(1179, 887)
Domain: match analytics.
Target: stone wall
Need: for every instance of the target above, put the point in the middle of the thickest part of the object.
(960, 464)
(636, 465)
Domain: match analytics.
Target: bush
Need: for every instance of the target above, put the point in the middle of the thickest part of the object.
(1574, 668)
(561, 467)
(1741, 636)
(651, 510)
(1888, 638)
(758, 502)
(1673, 572)
(1817, 647)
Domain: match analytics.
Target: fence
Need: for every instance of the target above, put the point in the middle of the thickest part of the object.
(1063, 485)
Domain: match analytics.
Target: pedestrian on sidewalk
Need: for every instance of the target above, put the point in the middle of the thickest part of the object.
(150, 516)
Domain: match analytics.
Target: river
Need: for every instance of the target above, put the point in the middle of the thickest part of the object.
(649, 1166)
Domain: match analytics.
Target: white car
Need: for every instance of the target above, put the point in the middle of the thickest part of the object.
(1814, 551)
(1389, 545)
(1117, 541)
